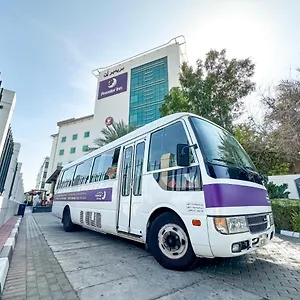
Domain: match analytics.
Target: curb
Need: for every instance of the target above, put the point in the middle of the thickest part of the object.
(7, 253)
(290, 233)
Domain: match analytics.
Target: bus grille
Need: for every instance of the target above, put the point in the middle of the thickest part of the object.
(257, 223)
(81, 217)
(93, 219)
(88, 218)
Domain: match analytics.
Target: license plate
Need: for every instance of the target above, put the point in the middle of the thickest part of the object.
(262, 240)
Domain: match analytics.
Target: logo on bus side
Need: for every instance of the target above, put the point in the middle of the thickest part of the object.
(101, 195)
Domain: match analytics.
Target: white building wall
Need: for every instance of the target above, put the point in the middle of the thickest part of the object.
(117, 106)
(53, 154)
(7, 105)
(8, 208)
(290, 181)
(40, 180)
(16, 182)
(79, 127)
(11, 170)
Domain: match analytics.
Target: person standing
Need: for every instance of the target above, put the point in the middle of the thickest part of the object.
(36, 199)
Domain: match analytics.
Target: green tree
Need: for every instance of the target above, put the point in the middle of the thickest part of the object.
(113, 132)
(214, 89)
(283, 116)
(260, 148)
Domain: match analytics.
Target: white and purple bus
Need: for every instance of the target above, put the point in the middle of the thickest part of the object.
(181, 185)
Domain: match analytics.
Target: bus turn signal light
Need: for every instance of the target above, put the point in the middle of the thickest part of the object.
(196, 222)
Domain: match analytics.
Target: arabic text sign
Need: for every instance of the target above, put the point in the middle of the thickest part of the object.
(113, 86)
(108, 73)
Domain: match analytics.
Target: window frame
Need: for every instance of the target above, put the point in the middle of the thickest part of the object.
(61, 152)
(72, 149)
(87, 135)
(71, 180)
(75, 135)
(99, 155)
(134, 169)
(83, 148)
(189, 140)
(89, 174)
(63, 139)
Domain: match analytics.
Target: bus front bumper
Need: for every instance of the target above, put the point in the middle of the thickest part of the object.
(231, 245)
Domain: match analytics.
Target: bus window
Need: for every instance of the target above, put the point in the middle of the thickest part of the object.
(67, 177)
(138, 169)
(82, 172)
(127, 171)
(164, 142)
(105, 166)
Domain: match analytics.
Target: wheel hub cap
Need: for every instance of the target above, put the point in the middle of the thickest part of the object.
(172, 241)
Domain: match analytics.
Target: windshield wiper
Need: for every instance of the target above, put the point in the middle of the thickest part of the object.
(225, 160)
(249, 168)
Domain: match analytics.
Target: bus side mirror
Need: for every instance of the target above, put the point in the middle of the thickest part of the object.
(183, 155)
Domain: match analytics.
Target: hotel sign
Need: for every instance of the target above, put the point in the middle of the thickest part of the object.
(113, 86)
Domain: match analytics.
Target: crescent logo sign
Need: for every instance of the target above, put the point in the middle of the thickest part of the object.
(109, 121)
(113, 86)
(112, 83)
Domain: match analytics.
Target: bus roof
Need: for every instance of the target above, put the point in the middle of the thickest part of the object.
(132, 135)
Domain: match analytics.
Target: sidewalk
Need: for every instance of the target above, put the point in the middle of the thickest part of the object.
(6, 230)
(34, 273)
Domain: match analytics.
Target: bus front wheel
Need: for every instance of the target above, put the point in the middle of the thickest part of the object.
(67, 221)
(170, 244)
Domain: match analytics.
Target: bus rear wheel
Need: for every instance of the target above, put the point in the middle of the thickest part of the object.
(170, 244)
(67, 221)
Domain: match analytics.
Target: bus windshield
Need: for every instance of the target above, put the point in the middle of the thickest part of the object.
(220, 147)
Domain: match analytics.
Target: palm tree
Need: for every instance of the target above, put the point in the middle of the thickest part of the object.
(113, 132)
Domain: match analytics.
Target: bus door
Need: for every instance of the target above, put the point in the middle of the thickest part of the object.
(131, 188)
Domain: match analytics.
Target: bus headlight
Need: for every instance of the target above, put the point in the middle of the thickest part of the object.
(231, 225)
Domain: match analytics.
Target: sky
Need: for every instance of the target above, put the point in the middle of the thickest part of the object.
(48, 50)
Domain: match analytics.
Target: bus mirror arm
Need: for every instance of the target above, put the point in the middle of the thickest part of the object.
(183, 157)
(195, 146)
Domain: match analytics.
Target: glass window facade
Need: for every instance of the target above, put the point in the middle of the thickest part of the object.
(5, 158)
(148, 87)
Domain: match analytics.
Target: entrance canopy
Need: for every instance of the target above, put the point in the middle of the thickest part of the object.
(53, 177)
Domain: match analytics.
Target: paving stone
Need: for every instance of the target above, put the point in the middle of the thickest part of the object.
(31, 275)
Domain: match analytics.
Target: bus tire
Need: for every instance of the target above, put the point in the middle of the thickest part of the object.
(67, 221)
(170, 244)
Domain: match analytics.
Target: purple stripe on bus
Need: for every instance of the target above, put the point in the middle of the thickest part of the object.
(99, 195)
(229, 195)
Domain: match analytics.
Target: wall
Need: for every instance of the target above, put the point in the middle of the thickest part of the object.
(117, 105)
(41, 179)
(67, 130)
(53, 154)
(290, 180)
(5, 158)
(7, 103)
(8, 207)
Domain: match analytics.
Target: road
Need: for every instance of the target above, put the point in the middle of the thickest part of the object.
(100, 266)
